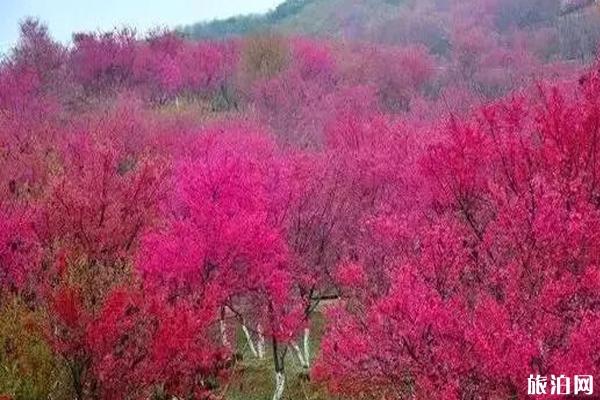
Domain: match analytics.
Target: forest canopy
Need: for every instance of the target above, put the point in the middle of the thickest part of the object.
(334, 200)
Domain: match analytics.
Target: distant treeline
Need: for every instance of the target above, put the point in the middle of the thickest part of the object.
(244, 24)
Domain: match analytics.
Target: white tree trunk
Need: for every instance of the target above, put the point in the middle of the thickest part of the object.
(249, 340)
(260, 342)
(299, 355)
(223, 329)
(279, 385)
(306, 344)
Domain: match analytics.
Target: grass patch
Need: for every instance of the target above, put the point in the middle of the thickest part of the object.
(253, 379)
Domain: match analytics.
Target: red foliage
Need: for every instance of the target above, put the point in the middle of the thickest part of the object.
(461, 254)
(106, 191)
(103, 61)
(296, 101)
(223, 243)
(33, 77)
(160, 67)
(70, 322)
(20, 253)
(501, 280)
(139, 343)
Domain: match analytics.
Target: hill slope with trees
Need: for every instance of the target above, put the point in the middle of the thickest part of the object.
(400, 209)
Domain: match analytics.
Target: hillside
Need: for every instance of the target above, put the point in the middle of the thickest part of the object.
(318, 17)
(572, 24)
(398, 200)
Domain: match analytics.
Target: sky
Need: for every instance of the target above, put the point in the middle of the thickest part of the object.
(63, 17)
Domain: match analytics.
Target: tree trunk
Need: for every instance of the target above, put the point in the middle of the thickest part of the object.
(300, 355)
(306, 345)
(223, 330)
(279, 385)
(77, 379)
(278, 360)
(260, 342)
(249, 340)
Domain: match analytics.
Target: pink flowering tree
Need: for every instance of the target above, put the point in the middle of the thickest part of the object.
(223, 242)
(103, 193)
(295, 102)
(143, 344)
(499, 278)
(103, 62)
(20, 253)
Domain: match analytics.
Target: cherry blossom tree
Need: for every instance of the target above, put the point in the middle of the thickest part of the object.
(20, 253)
(223, 241)
(100, 198)
(500, 278)
(145, 345)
